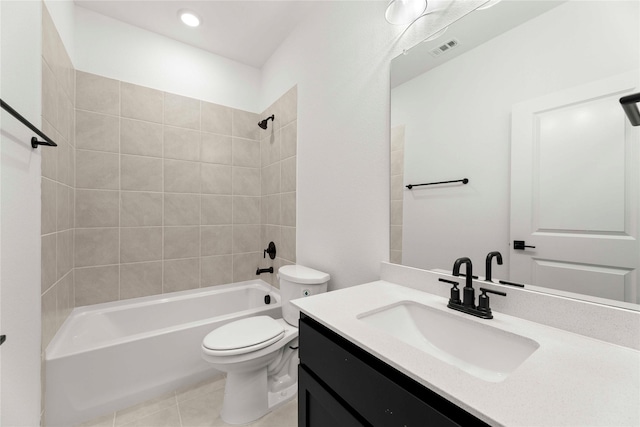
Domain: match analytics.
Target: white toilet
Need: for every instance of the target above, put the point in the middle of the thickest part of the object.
(260, 354)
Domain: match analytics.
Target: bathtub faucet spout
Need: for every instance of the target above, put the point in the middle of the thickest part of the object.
(264, 270)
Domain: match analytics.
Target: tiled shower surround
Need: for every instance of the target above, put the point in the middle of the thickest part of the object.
(396, 194)
(58, 183)
(170, 189)
(150, 192)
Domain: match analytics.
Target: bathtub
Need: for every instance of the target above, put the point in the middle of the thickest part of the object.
(107, 357)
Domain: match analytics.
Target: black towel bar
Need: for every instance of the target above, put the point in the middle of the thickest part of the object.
(34, 141)
(464, 181)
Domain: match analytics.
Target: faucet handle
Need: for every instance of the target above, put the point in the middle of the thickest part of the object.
(489, 291)
(271, 250)
(455, 292)
(483, 299)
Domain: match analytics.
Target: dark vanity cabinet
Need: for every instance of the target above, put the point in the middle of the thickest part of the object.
(341, 385)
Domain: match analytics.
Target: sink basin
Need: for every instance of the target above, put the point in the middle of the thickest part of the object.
(481, 350)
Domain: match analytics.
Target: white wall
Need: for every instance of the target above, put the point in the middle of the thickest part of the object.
(63, 16)
(463, 127)
(120, 51)
(339, 58)
(20, 87)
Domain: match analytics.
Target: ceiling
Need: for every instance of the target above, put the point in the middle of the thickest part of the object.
(248, 32)
(474, 29)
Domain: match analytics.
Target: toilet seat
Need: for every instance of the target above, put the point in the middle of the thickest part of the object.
(243, 336)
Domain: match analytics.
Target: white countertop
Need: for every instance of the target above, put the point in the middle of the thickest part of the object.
(570, 380)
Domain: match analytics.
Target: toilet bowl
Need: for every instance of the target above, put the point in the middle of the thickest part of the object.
(260, 354)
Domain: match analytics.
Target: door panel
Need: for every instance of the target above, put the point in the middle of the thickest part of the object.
(569, 195)
(595, 280)
(575, 190)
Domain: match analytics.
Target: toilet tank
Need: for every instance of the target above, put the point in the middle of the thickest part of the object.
(297, 281)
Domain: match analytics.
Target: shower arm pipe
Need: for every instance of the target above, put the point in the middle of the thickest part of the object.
(34, 141)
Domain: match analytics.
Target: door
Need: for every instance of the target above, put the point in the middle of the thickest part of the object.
(575, 186)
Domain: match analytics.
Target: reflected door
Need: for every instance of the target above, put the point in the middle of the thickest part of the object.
(575, 186)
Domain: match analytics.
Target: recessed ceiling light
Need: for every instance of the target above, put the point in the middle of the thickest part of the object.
(189, 18)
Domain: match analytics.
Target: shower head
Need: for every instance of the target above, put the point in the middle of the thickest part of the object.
(263, 123)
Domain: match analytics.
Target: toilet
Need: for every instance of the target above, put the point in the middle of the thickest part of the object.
(260, 354)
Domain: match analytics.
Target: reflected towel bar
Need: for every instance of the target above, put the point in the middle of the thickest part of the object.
(464, 181)
(504, 282)
(34, 141)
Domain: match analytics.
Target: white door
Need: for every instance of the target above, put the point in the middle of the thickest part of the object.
(575, 185)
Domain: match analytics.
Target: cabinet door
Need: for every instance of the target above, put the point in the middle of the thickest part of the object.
(373, 392)
(317, 407)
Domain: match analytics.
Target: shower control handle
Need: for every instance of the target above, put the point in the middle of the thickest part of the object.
(271, 250)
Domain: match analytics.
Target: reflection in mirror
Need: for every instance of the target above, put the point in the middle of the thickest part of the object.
(522, 99)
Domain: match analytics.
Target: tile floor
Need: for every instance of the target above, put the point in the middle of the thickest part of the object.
(198, 406)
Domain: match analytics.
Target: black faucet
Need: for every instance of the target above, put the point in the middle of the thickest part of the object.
(259, 271)
(468, 293)
(490, 256)
(467, 305)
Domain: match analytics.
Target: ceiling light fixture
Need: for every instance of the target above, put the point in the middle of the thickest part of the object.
(189, 18)
(488, 4)
(435, 35)
(400, 12)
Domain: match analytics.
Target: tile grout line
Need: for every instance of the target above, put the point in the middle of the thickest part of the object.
(175, 396)
(199, 210)
(163, 195)
(119, 192)
(233, 258)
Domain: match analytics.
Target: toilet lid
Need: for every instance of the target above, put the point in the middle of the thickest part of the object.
(244, 335)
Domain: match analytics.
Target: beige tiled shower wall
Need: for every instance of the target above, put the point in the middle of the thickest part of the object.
(150, 192)
(397, 193)
(58, 176)
(279, 153)
(168, 192)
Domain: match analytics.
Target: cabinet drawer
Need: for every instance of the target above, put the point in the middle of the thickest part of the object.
(379, 393)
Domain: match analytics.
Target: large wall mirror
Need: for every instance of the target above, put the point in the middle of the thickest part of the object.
(522, 99)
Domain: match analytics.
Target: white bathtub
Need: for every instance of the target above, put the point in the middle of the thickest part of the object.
(110, 356)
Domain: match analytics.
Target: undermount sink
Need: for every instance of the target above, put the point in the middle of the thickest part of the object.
(483, 351)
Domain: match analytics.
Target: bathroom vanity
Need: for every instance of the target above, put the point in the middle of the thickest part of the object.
(364, 361)
(342, 385)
